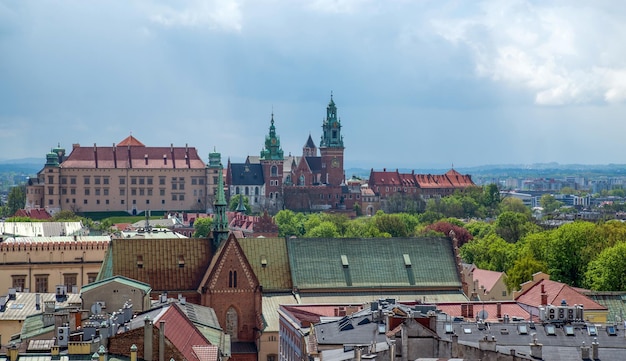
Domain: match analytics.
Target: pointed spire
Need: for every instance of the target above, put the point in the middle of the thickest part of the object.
(220, 221)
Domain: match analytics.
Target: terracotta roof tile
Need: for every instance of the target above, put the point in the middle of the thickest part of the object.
(130, 141)
(487, 278)
(557, 292)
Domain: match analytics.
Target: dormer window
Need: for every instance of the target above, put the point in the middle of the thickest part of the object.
(139, 261)
(181, 261)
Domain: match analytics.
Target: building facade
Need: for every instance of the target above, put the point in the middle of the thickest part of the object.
(128, 177)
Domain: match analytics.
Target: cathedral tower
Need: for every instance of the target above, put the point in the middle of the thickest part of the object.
(272, 158)
(331, 147)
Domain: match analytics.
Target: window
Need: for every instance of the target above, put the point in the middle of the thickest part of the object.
(105, 191)
(19, 282)
(84, 201)
(272, 357)
(181, 186)
(105, 180)
(50, 191)
(41, 283)
(63, 190)
(50, 179)
(161, 180)
(133, 180)
(142, 180)
(142, 191)
(122, 192)
(174, 197)
(97, 191)
(201, 181)
(274, 171)
(181, 197)
(73, 180)
(72, 191)
(87, 191)
(122, 201)
(149, 191)
(232, 279)
(86, 180)
(133, 191)
(162, 192)
(174, 186)
(194, 181)
(63, 180)
(122, 180)
(91, 277)
(69, 280)
(149, 180)
(96, 180)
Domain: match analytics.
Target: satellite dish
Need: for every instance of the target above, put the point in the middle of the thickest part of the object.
(96, 308)
(482, 315)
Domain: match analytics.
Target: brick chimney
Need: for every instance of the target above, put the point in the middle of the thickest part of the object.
(147, 339)
(498, 310)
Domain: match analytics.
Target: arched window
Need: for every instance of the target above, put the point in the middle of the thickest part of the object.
(274, 171)
(231, 323)
(247, 191)
(301, 180)
(256, 191)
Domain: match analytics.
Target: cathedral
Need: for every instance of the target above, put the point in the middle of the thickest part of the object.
(313, 181)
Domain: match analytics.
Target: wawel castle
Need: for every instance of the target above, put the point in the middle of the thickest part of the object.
(132, 177)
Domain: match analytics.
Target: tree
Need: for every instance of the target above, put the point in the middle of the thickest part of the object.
(403, 203)
(391, 224)
(325, 229)
(65, 216)
(289, 223)
(233, 205)
(571, 248)
(512, 226)
(363, 228)
(606, 272)
(16, 199)
(460, 233)
(202, 227)
(549, 203)
(522, 271)
(491, 253)
(516, 205)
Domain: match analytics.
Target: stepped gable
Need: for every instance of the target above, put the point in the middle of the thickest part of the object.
(131, 153)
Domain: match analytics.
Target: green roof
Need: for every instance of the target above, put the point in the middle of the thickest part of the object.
(268, 258)
(398, 263)
(106, 270)
(119, 279)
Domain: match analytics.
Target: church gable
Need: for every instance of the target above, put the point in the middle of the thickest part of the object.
(230, 270)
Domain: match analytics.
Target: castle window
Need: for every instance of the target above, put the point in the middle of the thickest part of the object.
(73, 180)
(274, 171)
(122, 180)
(41, 283)
(86, 179)
(105, 180)
(19, 282)
(96, 180)
(69, 280)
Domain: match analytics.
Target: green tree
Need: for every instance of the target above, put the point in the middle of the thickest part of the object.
(571, 248)
(606, 272)
(391, 224)
(233, 205)
(363, 228)
(324, 229)
(289, 223)
(491, 253)
(516, 205)
(16, 199)
(522, 271)
(65, 216)
(202, 227)
(512, 226)
(549, 203)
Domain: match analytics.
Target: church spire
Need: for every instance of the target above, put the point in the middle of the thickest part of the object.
(272, 150)
(331, 127)
(220, 221)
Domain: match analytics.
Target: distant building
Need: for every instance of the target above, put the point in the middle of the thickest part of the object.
(128, 177)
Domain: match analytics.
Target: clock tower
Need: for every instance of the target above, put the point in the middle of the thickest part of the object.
(331, 147)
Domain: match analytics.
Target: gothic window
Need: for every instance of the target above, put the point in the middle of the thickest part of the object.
(232, 279)
(274, 171)
(256, 191)
(301, 180)
(231, 323)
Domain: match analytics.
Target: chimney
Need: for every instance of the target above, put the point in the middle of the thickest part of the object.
(164, 159)
(498, 310)
(357, 353)
(101, 353)
(37, 301)
(147, 339)
(544, 299)
(13, 352)
(114, 156)
(594, 349)
(145, 157)
(584, 352)
(133, 352)
(536, 349)
(162, 341)
(95, 154)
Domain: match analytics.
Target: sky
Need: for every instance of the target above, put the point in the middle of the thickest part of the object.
(418, 84)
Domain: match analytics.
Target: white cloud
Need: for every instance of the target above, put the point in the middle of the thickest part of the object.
(550, 50)
(216, 14)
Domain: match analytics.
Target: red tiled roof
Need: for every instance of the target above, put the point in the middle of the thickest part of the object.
(486, 278)
(506, 308)
(33, 213)
(133, 156)
(181, 332)
(557, 292)
(130, 141)
(206, 353)
(451, 179)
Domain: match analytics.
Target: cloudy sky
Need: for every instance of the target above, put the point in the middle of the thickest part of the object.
(417, 83)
